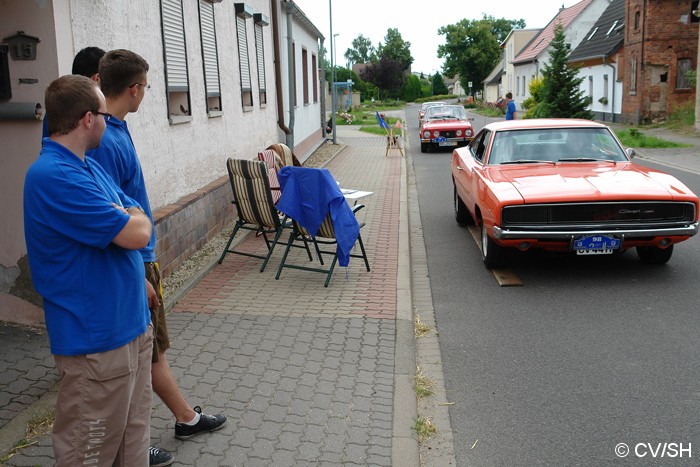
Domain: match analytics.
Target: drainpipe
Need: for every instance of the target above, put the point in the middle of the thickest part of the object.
(612, 106)
(278, 70)
(323, 92)
(290, 75)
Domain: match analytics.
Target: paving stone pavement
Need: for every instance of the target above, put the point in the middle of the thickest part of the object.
(306, 374)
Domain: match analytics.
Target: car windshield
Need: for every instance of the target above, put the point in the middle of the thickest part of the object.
(427, 105)
(446, 112)
(555, 145)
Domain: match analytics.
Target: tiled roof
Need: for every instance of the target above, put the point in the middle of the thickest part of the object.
(541, 41)
(606, 36)
(495, 76)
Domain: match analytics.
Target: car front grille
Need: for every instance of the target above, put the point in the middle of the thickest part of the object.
(615, 214)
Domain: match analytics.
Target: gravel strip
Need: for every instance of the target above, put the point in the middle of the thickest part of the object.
(182, 279)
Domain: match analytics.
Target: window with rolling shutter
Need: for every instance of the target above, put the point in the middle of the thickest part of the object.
(210, 58)
(244, 63)
(314, 72)
(261, 63)
(175, 55)
(305, 74)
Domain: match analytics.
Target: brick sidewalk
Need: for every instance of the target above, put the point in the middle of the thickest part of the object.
(305, 373)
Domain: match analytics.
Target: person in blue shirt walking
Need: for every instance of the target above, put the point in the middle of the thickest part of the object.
(510, 107)
(82, 235)
(124, 81)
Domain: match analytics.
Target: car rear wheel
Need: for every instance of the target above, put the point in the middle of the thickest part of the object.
(654, 254)
(492, 254)
(461, 214)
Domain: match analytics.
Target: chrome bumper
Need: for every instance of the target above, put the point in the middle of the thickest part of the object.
(684, 231)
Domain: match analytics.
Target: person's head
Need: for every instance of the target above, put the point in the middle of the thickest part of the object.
(87, 62)
(123, 71)
(72, 101)
(509, 96)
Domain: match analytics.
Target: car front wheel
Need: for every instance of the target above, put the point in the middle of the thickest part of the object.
(492, 254)
(423, 147)
(654, 254)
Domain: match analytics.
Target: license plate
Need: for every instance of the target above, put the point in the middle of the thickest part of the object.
(596, 245)
(448, 143)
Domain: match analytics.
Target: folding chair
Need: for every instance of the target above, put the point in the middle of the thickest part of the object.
(256, 208)
(325, 237)
(274, 164)
(319, 212)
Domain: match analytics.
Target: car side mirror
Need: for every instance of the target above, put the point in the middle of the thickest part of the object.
(630, 153)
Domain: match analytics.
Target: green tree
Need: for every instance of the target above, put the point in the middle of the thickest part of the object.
(395, 48)
(561, 94)
(438, 83)
(411, 89)
(387, 74)
(472, 47)
(361, 52)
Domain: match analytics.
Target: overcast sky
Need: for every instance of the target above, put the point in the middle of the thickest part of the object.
(418, 22)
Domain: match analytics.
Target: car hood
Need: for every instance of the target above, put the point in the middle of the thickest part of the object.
(589, 182)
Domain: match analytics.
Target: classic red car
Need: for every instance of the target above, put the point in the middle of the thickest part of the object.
(445, 126)
(424, 107)
(567, 185)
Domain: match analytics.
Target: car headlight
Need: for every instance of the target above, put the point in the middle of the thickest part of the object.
(459, 132)
(436, 133)
(467, 132)
(426, 134)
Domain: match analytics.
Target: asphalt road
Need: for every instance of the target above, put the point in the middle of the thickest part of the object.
(588, 353)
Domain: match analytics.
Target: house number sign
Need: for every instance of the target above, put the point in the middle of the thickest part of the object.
(22, 46)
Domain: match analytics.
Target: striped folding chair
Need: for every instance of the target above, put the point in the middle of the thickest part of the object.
(273, 163)
(256, 207)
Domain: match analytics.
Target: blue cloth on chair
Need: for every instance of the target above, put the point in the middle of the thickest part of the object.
(308, 195)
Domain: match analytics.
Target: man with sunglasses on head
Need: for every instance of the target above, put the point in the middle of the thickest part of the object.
(82, 234)
(124, 82)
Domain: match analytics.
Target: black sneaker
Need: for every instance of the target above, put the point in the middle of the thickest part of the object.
(205, 424)
(159, 458)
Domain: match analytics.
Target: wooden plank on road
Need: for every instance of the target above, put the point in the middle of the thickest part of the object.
(504, 276)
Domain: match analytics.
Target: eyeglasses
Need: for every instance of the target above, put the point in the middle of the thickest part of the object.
(145, 86)
(106, 115)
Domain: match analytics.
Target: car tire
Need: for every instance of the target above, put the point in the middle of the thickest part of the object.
(461, 213)
(492, 254)
(654, 254)
(423, 147)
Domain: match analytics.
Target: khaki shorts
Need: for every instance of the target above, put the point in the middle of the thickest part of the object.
(161, 340)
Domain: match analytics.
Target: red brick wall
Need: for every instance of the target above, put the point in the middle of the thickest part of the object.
(665, 34)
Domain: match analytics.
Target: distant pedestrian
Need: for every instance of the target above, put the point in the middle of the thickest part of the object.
(83, 234)
(510, 106)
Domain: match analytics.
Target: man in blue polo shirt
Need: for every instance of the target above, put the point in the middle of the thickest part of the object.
(124, 82)
(83, 234)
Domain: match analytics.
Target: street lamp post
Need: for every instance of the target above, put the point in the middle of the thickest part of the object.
(333, 103)
(333, 86)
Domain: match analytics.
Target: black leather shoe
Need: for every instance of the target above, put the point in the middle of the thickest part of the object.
(205, 424)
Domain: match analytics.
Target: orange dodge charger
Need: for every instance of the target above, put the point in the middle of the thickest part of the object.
(567, 185)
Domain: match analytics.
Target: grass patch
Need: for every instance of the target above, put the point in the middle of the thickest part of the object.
(420, 329)
(424, 386)
(682, 118)
(424, 428)
(633, 138)
(37, 426)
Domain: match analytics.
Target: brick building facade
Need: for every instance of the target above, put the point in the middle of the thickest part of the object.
(661, 42)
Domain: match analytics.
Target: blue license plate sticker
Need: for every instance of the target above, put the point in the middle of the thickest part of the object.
(596, 243)
(440, 139)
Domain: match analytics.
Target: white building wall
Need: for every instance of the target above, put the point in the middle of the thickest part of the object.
(179, 158)
(595, 76)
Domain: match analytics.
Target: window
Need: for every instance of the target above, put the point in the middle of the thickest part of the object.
(210, 57)
(260, 20)
(5, 83)
(593, 33)
(633, 76)
(314, 77)
(177, 81)
(612, 28)
(243, 12)
(305, 74)
(682, 70)
(636, 20)
(605, 87)
(694, 13)
(590, 88)
(294, 71)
